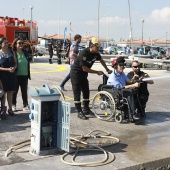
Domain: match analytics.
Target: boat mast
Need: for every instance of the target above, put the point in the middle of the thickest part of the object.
(131, 37)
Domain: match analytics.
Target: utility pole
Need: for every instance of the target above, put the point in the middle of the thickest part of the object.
(58, 19)
(166, 38)
(98, 18)
(131, 39)
(31, 24)
(70, 31)
(107, 25)
(142, 30)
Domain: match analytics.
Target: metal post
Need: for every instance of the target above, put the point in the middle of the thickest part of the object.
(98, 17)
(166, 38)
(142, 31)
(58, 19)
(131, 39)
(70, 31)
(31, 24)
(107, 25)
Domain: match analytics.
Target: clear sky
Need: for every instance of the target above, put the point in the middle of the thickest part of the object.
(53, 16)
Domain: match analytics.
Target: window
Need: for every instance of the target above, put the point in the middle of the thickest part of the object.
(22, 34)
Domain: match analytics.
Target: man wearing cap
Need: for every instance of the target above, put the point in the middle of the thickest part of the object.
(119, 79)
(79, 73)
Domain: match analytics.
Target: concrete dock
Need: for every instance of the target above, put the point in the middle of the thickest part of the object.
(145, 144)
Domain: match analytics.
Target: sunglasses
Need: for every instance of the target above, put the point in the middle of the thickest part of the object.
(121, 65)
(135, 66)
(20, 43)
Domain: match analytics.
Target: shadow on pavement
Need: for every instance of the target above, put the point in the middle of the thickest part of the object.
(154, 117)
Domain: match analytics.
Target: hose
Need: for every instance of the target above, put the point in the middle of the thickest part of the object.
(89, 164)
(80, 140)
(60, 91)
(17, 146)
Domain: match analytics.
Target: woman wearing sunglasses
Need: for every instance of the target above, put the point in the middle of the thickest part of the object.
(8, 65)
(22, 72)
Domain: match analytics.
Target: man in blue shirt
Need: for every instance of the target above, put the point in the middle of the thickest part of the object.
(119, 79)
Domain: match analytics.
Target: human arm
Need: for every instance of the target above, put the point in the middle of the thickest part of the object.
(88, 70)
(105, 66)
(6, 69)
(135, 85)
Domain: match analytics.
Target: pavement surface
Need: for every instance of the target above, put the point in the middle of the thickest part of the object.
(145, 144)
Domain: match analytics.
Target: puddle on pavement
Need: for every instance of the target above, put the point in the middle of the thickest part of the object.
(147, 147)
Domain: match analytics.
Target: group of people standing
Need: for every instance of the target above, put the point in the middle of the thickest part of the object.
(58, 48)
(14, 73)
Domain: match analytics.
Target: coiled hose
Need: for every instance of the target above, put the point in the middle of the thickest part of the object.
(80, 143)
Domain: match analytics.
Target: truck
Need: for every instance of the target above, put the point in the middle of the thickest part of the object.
(12, 28)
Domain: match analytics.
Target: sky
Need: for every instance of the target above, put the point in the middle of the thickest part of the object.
(52, 16)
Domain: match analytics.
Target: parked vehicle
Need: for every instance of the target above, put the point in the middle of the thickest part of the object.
(109, 50)
(120, 51)
(40, 50)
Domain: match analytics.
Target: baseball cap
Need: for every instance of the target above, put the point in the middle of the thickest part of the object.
(118, 60)
(95, 42)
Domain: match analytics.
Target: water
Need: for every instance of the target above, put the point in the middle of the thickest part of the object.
(153, 78)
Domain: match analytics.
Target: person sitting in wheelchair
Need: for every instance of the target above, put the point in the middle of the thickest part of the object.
(119, 80)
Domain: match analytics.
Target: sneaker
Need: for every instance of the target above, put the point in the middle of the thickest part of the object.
(136, 117)
(14, 108)
(26, 108)
(62, 88)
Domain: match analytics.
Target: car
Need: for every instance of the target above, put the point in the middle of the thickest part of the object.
(41, 50)
(120, 51)
(109, 50)
(101, 50)
(80, 48)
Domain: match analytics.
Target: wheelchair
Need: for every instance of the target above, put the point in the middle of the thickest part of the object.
(112, 103)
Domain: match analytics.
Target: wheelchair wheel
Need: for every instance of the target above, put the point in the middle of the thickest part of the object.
(104, 105)
(118, 117)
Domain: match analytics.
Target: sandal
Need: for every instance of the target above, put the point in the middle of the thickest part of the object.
(10, 112)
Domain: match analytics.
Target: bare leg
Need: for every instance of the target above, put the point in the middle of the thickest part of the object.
(9, 99)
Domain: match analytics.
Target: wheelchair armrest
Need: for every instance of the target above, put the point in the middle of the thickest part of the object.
(107, 87)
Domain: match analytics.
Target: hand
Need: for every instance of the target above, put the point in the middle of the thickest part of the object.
(10, 70)
(137, 84)
(109, 71)
(100, 73)
(135, 76)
